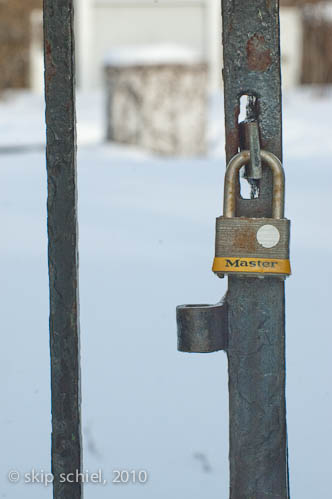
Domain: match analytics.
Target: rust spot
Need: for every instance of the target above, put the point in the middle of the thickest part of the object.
(50, 70)
(232, 143)
(245, 239)
(236, 113)
(258, 53)
(48, 48)
(232, 136)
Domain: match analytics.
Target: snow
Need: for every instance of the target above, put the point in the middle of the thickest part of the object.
(146, 245)
(149, 55)
(22, 120)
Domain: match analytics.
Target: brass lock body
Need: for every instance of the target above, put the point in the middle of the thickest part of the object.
(252, 246)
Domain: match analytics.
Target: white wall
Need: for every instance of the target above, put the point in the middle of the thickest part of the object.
(103, 24)
(36, 54)
(84, 27)
(291, 32)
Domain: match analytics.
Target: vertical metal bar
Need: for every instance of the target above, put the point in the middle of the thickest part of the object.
(250, 132)
(256, 349)
(63, 245)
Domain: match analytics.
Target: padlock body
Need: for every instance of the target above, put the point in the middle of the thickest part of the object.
(252, 246)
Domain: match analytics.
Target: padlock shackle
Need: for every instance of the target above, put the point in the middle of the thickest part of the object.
(232, 175)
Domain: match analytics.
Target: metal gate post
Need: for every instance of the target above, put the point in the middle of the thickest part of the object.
(256, 340)
(62, 246)
(249, 323)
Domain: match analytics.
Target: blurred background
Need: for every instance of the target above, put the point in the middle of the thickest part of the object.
(102, 25)
(150, 172)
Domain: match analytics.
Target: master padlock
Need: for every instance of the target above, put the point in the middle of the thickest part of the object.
(252, 246)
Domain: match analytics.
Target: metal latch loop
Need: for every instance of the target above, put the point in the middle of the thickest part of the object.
(231, 178)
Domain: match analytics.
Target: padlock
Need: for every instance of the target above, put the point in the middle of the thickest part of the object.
(252, 246)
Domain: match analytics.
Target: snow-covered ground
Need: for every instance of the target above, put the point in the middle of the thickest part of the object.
(146, 245)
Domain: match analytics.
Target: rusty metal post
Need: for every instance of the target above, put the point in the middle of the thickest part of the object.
(62, 245)
(256, 320)
(249, 324)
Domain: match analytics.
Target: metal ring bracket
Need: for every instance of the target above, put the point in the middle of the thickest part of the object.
(202, 328)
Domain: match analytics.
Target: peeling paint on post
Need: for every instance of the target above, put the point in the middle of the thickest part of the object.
(63, 244)
(256, 342)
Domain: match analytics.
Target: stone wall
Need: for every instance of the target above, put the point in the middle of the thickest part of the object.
(15, 41)
(162, 108)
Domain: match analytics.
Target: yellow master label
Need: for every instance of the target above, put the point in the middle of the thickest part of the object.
(252, 265)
